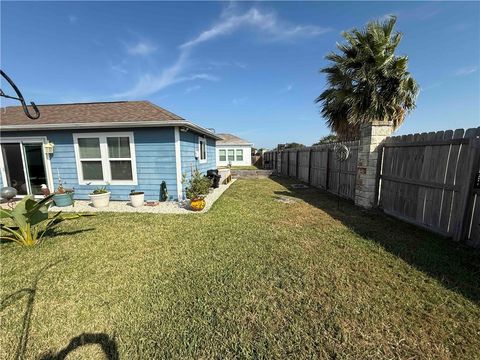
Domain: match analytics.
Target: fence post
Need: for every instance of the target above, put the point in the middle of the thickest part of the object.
(278, 161)
(371, 137)
(378, 175)
(467, 186)
(310, 166)
(296, 165)
(288, 163)
(327, 168)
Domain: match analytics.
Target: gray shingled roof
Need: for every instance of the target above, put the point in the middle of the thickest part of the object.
(229, 139)
(115, 111)
(113, 114)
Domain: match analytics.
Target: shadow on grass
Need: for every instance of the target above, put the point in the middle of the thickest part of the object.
(30, 292)
(453, 264)
(107, 344)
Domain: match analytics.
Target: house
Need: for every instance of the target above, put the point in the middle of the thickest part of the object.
(233, 150)
(124, 145)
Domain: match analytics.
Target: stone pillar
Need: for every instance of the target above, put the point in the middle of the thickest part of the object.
(370, 138)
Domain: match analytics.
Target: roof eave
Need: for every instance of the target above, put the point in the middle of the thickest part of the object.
(107, 125)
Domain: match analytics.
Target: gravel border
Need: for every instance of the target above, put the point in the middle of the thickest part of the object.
(168, 207)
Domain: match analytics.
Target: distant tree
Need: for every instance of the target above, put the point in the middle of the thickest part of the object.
(292, 145)
(328, 139)
(367, 81)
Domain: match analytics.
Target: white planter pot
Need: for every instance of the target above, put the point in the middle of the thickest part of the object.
(100, 200)
(137, 200)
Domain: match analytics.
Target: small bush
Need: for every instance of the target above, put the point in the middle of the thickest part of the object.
(198, 185)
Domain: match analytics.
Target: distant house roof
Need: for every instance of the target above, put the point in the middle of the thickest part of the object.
(94, 115)
(229, 139)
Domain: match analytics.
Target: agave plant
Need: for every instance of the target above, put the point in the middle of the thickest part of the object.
(30, 221)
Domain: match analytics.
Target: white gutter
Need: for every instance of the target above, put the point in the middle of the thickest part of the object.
(106, 125)
(223, 144)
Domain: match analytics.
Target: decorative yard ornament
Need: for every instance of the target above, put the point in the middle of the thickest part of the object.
(8, 193)
(19, 97)
(45, 190)
(342, 152)
(163, 191)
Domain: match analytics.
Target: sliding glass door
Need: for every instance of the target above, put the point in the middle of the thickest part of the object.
(24, 166)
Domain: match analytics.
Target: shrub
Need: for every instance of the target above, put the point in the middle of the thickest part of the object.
(198, 185)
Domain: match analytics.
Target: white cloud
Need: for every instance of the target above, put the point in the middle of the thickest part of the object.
(287, 88)
(460, 27)
(267, 23)
(151, 83)
(141, 48)
(72, 18)
(118, 68)
(237, 101)
(193, 88)
(467, 70)
(431, 86)
(221, 64)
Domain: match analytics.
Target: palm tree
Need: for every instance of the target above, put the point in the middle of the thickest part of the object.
(367, 81)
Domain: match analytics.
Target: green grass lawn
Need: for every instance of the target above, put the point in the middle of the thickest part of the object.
(253, 278)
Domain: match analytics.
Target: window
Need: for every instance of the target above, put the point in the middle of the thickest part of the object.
(105, 158)
(202, 149)
(222, 154)
(231, 155)
(239, 155)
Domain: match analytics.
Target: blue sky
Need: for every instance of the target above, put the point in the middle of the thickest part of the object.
(246, 68)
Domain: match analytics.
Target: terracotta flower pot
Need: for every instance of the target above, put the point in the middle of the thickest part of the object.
(197, 204)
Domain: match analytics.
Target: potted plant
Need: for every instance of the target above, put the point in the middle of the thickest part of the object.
(62, 197)
(137, 198)
(100, 197)
(197, 189)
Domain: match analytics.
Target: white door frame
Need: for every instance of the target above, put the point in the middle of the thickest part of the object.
(28, 140)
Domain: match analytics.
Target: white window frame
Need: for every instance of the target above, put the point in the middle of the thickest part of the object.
(228, 159)
(105, 159)
(204, 139)
(220, 155)
(236, 155)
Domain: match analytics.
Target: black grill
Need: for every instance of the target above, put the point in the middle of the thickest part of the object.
(213, 175)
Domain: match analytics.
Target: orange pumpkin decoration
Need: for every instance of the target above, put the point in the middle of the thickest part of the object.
(197, 204)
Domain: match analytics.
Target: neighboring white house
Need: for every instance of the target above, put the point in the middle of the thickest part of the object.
(233, 150)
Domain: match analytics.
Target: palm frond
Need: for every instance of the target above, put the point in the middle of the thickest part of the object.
(367, 81)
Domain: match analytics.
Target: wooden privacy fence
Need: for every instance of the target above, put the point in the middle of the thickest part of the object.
(318, 166)
(427, 179)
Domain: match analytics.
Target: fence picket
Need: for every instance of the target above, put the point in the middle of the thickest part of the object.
(423, 178)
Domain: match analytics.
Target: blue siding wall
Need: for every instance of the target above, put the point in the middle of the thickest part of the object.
(188, 145)
(155, 158)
